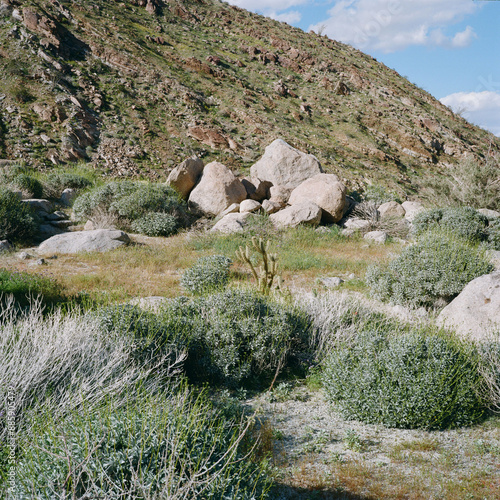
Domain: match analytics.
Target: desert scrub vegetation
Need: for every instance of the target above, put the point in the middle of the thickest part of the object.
(208, 274)
(133, 203)
(18, 223)
(436, 267)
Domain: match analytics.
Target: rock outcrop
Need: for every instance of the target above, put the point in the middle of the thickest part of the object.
(99, 240)
(284, 165)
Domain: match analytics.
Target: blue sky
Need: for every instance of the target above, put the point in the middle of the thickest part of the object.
(451, 48)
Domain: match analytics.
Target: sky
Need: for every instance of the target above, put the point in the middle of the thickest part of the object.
(450, 48)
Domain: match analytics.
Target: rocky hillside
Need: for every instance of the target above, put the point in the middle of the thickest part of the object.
(136, 86)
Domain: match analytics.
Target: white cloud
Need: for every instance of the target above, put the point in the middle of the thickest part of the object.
(290, 17)
(271, 6)
(480, 108)
(390, 25)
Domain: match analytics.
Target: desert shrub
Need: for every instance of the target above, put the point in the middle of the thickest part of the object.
(17, 220)
(172, 445)
(56, 182)
(207, 275)
(29, 185)
(379, 194)
(155, 224)
(489, 350)
(493, 233)
(413, 381)
(462, 221)
(438, 266)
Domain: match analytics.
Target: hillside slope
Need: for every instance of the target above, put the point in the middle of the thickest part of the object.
(135, 86)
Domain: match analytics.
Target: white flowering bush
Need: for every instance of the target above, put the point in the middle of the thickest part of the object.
(207, 275)
(438, 266)
(155, 224)
(412, 380)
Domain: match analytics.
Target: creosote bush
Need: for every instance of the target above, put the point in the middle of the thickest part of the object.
(17, 220)
(437, 266)
(207, 275)
(412, 380)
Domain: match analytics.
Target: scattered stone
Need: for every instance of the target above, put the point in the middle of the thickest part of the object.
(412, 208)
(184, 177)
(357, 224)
(348, 232)
(68, 196)
(98, 240)
(249, 206)
(284, 165)
(231, 209)
(280, 195)
(391, 209)
(322, 230)
(489, 213)
(5, 246)
(307, 213)
(476, 311)
(271, 207)
(24, 256)
(377, 236)
(231, 223)
(217, 189)
(326, 191)
(331, 282)
(40, 262)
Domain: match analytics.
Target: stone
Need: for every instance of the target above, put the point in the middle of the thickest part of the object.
(89, 226)
(348, 232)
(280, 195)
(57, 215)
(5, 246)
(324, 190)
(376, 236)
(357, 224)
(284, 165)
(249, 206)
(24, 256)
(98, 240)
(46, 231)
(307, 213)
(412, 208)
(476, 311)
(68, 196)
(39, 205)
(271, 207)
(185, 176)
(217, 189)
(489, 213)
(391, 209)
(231, 209)
(331, 282)
(257, 189)
(231, 223)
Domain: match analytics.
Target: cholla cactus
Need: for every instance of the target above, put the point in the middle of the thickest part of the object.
(266, 273)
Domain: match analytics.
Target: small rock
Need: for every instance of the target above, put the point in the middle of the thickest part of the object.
(231, 209)
(68, 196)
(249, 206)
(24, 256)
(301, 213)
(356, 223)
(391, 209)
(280, 195)
(39, 205)
(348, 232)
(331, 282)
(40, 262)
(412, 208)
(377, 236)
(322, 230)
(231, 223)
(5, 246)
(271, 207)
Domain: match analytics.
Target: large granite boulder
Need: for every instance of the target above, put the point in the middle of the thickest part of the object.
(98, 240)
(231, 223)
(285, 165)
(324, 190)
(476, 311)
(257, 189)
(184, 177)
(307, 213)
(391, 209)
(217, 189)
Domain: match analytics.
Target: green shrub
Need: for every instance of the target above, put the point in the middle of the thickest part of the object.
(28, 184)
(17, 220)
(438, 266)
(462, 221)
(155, 224)
(379, 194)
(165, 446)
(413, 381)
(56, 182)
(493, 233)
(207, 275)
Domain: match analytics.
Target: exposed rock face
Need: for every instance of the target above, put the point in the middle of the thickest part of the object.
(307, 213)
(284, 165)
(39, 205)
(326, 191)
(99, 240)
(391, 209)
(231, 209)
(218, 189)
(231, 223)
(184, 177)
(476, 310)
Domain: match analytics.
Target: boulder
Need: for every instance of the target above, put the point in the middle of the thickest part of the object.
(98, 240)
(284, 165)
(257, 189)
(231, 209)
(376, 236)
(231, 223)
(412, 208)
(489, 213)
(68, 196)
(331, 282)
(324, 190)
(184, 177)
(356, 224)
(271, 207)
(391, 209)
(5, 246)
(280, 195)
(307, 213)
(476, 310)
(249, 206)
(39, 205)
(217, 189)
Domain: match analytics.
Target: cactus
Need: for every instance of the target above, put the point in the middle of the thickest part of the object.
(265, 274)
